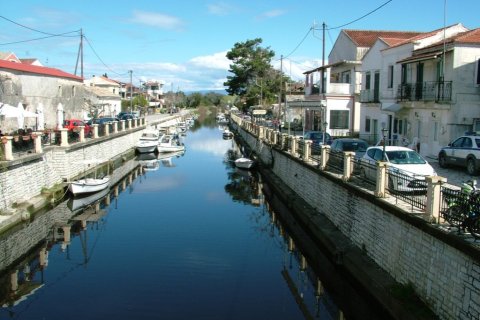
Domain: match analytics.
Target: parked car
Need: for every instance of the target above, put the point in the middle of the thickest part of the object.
(407, 168)
(102, 120)
(463, 151)
(133, 115)
(126, 116)
(73, 124)
(341, 145)
(318, 137)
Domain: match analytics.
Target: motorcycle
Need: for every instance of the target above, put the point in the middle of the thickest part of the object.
(463, 208)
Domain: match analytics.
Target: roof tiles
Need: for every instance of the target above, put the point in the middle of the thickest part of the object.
(46, 71)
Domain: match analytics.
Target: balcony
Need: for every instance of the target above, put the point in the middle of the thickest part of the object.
(437, 91)
(332, 88)
(369, 96)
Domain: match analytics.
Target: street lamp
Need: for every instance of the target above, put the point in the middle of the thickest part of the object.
(325, 124)
(384, 135)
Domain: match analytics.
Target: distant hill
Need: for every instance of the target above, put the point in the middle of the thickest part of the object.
(219, 91)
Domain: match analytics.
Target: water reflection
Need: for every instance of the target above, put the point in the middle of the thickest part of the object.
(165, 258)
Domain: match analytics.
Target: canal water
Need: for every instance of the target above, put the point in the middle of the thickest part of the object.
(181, 237)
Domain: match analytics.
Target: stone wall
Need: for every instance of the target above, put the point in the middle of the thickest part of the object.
(445, 271)
(24, 178)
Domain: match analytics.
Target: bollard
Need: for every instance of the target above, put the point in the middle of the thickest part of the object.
(95, 131)
(325, 152)
(82, 133)
(64, 137)
(37, 141)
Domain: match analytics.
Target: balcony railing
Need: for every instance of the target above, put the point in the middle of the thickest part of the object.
(425, 91)
(369, 95)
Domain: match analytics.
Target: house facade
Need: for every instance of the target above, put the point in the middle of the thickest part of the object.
(40, 88)
(335, 87)
(421, 91)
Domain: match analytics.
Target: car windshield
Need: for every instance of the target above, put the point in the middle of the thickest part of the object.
(355, 146)
(404, 157)
(317, 135)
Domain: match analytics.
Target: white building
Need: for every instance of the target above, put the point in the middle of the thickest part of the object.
(423, 90)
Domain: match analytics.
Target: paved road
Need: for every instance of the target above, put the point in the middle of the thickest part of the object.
(454, 175)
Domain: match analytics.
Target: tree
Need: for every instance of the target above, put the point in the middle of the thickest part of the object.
(253, 78)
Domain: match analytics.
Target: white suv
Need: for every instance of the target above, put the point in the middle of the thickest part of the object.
(464, 152)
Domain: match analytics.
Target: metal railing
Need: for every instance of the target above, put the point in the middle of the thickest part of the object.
(425, 91)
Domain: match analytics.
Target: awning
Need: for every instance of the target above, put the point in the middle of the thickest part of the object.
(421, 57)
(393, 107)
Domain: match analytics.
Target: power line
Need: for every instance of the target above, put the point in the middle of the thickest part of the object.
(41, 38)
(308, 32)
(360, 18)
(98, 57)
(47, 33)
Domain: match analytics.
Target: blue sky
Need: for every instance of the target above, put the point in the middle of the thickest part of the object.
(183, 42)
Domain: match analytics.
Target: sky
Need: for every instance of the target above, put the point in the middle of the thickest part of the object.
(183, 43)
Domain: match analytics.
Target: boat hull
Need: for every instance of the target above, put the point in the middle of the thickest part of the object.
(88, 185)
(146, 146)
(243, 163)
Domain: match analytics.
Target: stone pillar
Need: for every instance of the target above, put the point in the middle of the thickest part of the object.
(293, 146)
(347, 165)
(43, 257)
(37, 142)
(107, 128)
(66, 236)
(115, 126)
(122, 124)
(434, 196)
(14, 281)
(7, 147)
(307, 150)
(95, 130)
(381, 179)
(82, 133)
(274, 138)
(64, 137)
(325, 152)
(129, 123)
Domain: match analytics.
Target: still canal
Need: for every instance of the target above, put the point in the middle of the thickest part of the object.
(186, 237)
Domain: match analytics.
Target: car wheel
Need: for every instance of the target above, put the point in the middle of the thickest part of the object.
(471, 166)
(442, 160)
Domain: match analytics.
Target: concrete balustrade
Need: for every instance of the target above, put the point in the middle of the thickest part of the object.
(95, 131)
(37, 142)
(347, 165)
(7, 147)
(64, 137)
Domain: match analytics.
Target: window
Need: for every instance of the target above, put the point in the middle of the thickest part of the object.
(367, 81)
(346, 77)
(367, 124)
(404, 73)
(339, 119)
(478, 73)
(390, 77)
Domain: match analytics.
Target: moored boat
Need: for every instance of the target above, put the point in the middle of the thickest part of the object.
(244, 163)
(88, 185)
(148, 141)
(170, 143)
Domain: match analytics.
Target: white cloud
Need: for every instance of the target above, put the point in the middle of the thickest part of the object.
(219, 9)
(271, 14)
(214, 61)
(157, 20)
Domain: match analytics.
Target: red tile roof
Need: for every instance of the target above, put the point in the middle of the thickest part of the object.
(28, 68)
(467, 37)
(366, 38)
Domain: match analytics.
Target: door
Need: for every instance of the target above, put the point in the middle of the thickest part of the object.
(419, 84)
(376, 87)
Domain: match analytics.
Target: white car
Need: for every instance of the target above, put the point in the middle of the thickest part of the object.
(407, 169)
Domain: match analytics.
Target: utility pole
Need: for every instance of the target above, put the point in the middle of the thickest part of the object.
(80, 55)
(323, 58)
(131, 90)
(280, 94)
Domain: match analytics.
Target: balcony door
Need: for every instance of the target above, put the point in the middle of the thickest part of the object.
(419, 82)
(376, 87)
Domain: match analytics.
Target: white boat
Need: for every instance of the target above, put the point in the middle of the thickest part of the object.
(89, 185)
(244, 163)
(148, 142)
(227, 133)
(170, 143)
(76, 204)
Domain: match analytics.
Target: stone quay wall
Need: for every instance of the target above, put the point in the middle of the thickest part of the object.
(443, 270)
(24, 178)
(19, 240)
